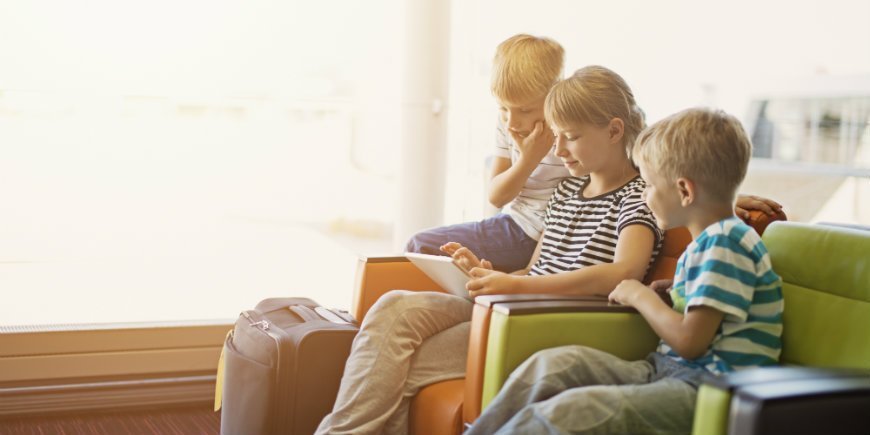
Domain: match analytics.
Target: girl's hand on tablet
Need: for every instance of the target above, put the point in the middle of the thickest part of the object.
(450, 248)
(464, 257)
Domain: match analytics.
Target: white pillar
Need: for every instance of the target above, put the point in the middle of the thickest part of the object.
(424, 118)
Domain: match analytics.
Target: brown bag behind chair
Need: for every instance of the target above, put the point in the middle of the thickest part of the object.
(283, 363)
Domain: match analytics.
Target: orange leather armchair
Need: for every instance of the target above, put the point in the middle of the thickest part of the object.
(444, 407)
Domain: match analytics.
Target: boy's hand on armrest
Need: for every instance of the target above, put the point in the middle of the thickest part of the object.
(488, 281)
(464, 257)
(662, 287)
(689, 335)
(628, 291)
(745, 203)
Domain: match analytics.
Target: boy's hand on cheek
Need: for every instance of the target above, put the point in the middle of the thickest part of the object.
(538, 143)
(627, 292)
(487, 281)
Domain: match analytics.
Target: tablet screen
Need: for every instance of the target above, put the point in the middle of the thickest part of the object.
(449, 275)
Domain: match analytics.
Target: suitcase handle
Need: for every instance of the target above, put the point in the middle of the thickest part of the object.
(305, 313)
(333, 316)
(319, 313)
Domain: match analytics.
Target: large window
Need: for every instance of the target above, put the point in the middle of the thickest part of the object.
(166, 161)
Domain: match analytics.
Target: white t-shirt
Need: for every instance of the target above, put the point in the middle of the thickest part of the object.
(527, 209)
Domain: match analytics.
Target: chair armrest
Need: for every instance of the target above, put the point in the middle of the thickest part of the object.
(764, 399)
(477, 343)
(518, 329)
(378, 275)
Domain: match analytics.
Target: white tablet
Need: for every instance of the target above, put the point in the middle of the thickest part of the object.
(443, 270)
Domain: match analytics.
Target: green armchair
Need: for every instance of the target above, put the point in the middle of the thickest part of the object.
(826, 286)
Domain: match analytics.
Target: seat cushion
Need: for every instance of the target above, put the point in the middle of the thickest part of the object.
(437, 409)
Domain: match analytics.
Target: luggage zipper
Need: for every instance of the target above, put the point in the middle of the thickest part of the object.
(262, 324)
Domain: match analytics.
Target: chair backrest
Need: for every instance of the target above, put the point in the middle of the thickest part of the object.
(826, 287)
(677, 239)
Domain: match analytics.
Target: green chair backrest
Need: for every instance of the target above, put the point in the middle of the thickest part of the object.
(826, 286)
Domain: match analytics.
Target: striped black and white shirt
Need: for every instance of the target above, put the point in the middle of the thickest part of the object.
(583, 232)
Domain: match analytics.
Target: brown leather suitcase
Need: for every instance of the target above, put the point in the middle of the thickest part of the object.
(282, 364)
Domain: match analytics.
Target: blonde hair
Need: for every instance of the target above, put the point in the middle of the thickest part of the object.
(706, 146)
(526, 67)
(595, 95)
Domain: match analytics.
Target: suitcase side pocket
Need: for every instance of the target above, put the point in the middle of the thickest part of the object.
(248, 393)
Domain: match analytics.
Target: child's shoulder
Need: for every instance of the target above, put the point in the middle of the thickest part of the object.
(733, 234)
(632, 190)
(570, 186)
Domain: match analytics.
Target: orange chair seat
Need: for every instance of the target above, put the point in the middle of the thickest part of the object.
(437, 409)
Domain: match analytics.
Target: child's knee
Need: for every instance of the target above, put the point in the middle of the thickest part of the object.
(561, 355)
(388, 303)
(424, 242)
(396, 302)
(413, 244)
(559, 362)
(545, 362)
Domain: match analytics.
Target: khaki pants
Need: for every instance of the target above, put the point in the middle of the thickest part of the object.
(408, 340)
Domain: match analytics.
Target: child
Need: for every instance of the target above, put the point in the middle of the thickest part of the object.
(597, 233)
(524, 171)
(727, 302)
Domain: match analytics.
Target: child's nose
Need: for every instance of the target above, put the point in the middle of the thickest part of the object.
(513, 122)
(559, 147)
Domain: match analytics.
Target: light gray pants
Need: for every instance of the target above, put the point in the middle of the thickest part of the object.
(408, 340)
(577, 389)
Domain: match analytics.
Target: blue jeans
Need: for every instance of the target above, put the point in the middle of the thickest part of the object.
(577, 389)
(498, 239)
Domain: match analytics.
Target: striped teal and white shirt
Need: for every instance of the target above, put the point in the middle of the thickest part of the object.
(728, 268)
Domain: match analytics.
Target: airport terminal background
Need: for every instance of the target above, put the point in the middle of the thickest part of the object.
(157, 177)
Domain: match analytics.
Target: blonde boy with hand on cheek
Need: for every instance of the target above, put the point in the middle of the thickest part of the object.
(524, 172)
(726, 315)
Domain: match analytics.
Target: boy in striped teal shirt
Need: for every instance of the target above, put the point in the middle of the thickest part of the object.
(727, 301)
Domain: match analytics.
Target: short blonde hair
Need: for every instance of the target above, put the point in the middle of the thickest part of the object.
(526, 67)
(595, 95)
(706, 146)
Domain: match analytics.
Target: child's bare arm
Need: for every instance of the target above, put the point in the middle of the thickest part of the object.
(633, 252)
(689, 335)
(508, 179)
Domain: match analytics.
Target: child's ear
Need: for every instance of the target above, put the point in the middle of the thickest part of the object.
(686, 189)
(617, 129)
